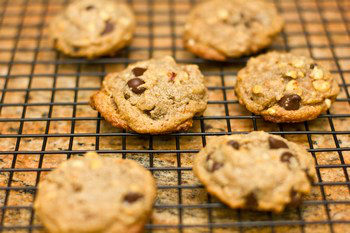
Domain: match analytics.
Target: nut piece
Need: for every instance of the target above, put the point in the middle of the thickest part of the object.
(293, 87)
(316, 73)
(328, 102)
(257, 89)
(191, 42)
(291, 74)
(301, 74)
(321, 85)
(298, 63)
(223, 14)
(271, 111)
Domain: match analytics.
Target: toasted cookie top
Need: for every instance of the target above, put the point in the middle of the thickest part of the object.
(256, 171)
(220, 29)
(284, 87)
(96, 194)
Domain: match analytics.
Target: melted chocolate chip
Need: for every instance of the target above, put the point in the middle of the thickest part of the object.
(251, 201)
(234, 144)
(138, 71)
(90, 7)
(109, 27)
(276, 144)
(285, 157)
(313, 65)
(134, 85)
(209, 156)
(172, 76)
(290, 102)
(216, 166)
(132, 197)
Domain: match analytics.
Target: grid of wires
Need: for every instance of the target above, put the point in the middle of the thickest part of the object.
(319, 28)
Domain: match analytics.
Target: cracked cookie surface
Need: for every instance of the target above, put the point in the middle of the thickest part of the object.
(256, 171)
(92, 28)
(96, 194)
(283, 87)
(222, 29)
(154, 96)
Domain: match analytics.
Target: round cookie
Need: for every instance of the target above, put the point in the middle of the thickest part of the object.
(92, 28)
(255, 171)
(96, 194)
(154, 96)
(283, 87)
(222, 29)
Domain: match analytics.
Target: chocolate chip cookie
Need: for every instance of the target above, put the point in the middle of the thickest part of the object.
(255, 171)
(222, 29)
(155, 96)
(96, 194)
(92, 28)
(283, 87)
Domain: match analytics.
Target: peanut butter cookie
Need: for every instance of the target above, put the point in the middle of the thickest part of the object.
(283, 87)
(222, 29)
(92, 28)
(255, 171)
(155, 96)
(96, 194)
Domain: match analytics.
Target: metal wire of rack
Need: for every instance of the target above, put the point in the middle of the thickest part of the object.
(45, 117)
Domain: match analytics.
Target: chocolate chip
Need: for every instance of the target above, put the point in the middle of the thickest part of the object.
(90, 7)
(172, 76)
(209, 156)
(134, 85)
(234, 144)
(290, 102)
(216, 166)
(276, 143)
(251, 201)
(313, 65)
(132, 197)
(138, 71)
(109, 27)
(285, 157)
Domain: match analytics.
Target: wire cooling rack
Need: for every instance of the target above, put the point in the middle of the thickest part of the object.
(45, 117)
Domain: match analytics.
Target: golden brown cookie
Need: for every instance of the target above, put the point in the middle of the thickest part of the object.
(156, 96)
(92, 28)
(255, 171)
(283, 87)
(96, 194)
(222, 29)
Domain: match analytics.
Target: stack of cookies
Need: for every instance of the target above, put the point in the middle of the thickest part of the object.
(159, 96)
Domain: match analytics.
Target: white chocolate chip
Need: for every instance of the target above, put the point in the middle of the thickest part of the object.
(301, 74)
(223, 14)
(328, 102)
(104, 15)
(316, 73)
(257, 89)
(125, 21)
(298, 63)
(271, 111)
(77, 163)
(95, 164)
(293, 87)
(321, 85)
(191, 42)
(291, 74)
